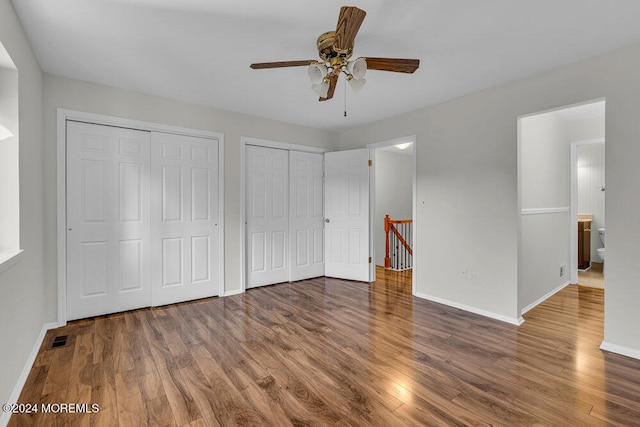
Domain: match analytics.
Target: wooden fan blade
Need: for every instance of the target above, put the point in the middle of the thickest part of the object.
(332, 87)
(396, 65)
(263, 65)
(349, 23)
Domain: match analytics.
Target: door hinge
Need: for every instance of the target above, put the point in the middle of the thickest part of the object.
(370, 260)
(370, 162)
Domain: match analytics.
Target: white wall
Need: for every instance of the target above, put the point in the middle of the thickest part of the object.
(23, 305)
(591, 198)
(9, 189)
(393, 186)
(544, 183)
(72, 94)
(467, 175)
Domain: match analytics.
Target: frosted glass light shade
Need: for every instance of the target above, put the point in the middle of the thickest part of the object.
(5, 133)
(317, 73)
(357, 68)
(356, 84)
(321, 89)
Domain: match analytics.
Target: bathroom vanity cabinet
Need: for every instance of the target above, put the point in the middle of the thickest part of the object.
(584, 244)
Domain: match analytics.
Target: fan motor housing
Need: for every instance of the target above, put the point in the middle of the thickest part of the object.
(326, 47)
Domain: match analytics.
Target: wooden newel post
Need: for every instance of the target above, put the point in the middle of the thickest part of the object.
(387, 226)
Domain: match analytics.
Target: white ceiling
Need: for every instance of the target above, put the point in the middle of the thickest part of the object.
(200, 50)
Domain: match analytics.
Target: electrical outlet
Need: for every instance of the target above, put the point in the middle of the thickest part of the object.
(464, 274)
(562, 270)
(473, 275)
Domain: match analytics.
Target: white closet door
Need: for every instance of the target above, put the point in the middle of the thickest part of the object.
(267, 215)
(108, 257)
(347, 214)
(307, 222)
(184, 218)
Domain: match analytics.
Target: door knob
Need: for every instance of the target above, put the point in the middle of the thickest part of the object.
(327, 220)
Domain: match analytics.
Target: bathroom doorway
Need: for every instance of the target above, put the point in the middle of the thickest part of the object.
(588, 211)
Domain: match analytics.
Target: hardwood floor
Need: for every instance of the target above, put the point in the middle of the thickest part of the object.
(334, 352)
(594, 277)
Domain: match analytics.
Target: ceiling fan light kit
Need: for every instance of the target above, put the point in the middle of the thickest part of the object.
(321, 89)
(335, 48)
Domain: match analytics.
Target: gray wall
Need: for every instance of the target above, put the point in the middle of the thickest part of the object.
(467, 184)
(394, 187)
(544, 176)
(23, 305)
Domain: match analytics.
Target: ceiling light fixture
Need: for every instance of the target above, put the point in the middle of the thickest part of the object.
(321, 73)
(403, 146)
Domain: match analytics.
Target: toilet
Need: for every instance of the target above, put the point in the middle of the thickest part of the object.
(601, 250)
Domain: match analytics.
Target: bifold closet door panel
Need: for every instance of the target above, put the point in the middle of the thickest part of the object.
(306, 213)
(108, 193)
(185, 232)
(267, 215)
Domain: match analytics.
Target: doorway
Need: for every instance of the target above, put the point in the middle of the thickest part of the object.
(588, 212)
(547, 197)
(393, 197)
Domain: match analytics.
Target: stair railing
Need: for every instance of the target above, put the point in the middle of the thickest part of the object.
(398, 241)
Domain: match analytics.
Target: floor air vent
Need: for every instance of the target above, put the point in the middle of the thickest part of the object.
(60, 341)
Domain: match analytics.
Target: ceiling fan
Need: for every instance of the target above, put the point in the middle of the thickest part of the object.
(335, 48)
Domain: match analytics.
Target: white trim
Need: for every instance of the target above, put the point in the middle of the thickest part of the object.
(230, 293)
(372, 199)
(619, 349)
(9, 258)
(564, 107)
(221, 281)
(546, 296)
(63, 115)
(248, 140)
(512, 320)
(573, 209)
(244, 141)
(22, 379)
(540, 211)
(243, 219)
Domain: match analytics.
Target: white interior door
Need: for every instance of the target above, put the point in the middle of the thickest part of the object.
(267, 215)
(108, 257)
(185, 235)
(306, 213)
(347, 214)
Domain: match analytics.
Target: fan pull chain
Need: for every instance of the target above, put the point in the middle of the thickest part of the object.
(345, 98)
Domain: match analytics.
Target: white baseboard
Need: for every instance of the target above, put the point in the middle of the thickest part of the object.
(512, 320)
(236, 292)
(618, 349)
(544, 297)
(22, 379)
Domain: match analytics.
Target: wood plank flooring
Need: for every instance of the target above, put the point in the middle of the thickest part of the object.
(334, 352)
(594, 277)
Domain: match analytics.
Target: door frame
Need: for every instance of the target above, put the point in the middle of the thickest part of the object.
(573, 207)
(244, 141)
(372, 202)
(61, 193)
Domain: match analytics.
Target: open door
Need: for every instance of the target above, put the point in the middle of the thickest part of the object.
(347, 214)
